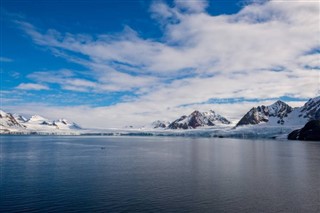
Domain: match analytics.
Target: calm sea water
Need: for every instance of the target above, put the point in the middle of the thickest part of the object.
(158, 174)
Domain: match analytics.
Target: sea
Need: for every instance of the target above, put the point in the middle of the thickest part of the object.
(157, 174)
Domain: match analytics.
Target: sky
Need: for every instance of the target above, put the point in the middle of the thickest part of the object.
(118, 63)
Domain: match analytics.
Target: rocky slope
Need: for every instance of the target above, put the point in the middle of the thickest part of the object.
(310, 132)
(198, 119)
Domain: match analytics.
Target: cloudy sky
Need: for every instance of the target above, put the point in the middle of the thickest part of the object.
(116, 63)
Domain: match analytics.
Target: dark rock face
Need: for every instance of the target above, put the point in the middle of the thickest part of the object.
(176, 125)
(262, 113)
(310, 132)
(196, 119)
(254, 116)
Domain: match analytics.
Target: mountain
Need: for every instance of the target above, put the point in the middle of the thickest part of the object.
(19, 118)
(160, 124)
(311, 109)
(262, 114)
(64, 124)
(10, 123)
(281, 113)
(198, 119)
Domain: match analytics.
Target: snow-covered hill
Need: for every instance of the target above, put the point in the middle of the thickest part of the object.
(15, 123)
(198, 119)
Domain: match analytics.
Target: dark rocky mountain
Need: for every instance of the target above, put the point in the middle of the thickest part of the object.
(261, 114)
(198, 119)
(310, 132)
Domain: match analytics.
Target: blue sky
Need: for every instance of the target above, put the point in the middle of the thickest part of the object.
(138, 61)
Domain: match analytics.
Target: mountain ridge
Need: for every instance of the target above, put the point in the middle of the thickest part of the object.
(198, 119)
(18, 123)
(280, 113)
(279, 116)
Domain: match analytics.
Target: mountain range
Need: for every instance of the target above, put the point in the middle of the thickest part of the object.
(282, 114)
(278, 114)
(15, 123)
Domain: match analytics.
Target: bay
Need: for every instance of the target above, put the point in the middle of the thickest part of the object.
(158, 174)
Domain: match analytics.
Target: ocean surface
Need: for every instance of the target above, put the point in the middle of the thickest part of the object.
(157, 174)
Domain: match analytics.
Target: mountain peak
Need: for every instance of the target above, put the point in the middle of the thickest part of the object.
(262, 114)
(198, 119)
(278, 102)
(2, 113)
(8, 121)
(279, 109)
(196, 113)
(37, 118)
(64, 124)
(311, 109)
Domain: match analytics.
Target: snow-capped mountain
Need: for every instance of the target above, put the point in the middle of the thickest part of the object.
(311, 109)
(281, 113)
(64, 124)
(11, 123)
(19, 118)
(262, 114)
(37, 119)
(198, 119)
(8, 122)
(160, 124)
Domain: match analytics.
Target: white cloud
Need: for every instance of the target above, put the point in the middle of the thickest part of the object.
(260, 36)
(31, 86)
(260, 52)
(100, 81)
